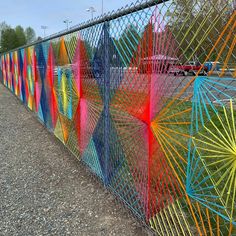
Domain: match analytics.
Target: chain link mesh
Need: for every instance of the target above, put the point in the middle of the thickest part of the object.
(145, 97)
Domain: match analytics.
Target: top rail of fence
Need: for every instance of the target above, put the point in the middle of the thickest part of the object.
(128, 9)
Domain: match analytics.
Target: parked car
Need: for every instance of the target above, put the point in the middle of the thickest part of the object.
(191, 67)
(156, 64)
(215, 65)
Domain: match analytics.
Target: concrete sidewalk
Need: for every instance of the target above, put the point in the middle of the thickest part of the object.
(44, 190)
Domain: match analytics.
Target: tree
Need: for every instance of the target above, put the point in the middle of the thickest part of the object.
(20, 36)
(127, 44)
(196, 26)
(3, 26)
(8, 40)
(30, 35)
(13, 38)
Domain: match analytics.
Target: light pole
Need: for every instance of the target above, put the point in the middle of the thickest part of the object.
(92, 10)
(44, 27)
(67, 22)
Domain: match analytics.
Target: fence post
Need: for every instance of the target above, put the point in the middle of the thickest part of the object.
(106, 100)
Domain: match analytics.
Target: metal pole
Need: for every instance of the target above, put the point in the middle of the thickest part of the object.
(67, 22)
(106, 78)
(44, 27)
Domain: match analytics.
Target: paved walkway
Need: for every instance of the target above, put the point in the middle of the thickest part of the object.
(44, 190)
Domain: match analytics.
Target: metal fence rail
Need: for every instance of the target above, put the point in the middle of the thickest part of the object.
(145, 97)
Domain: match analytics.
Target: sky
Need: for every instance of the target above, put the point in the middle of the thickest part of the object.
(52, 13)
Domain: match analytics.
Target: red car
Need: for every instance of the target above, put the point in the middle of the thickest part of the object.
(191, 67)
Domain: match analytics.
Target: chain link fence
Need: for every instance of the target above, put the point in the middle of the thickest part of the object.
(145, 97)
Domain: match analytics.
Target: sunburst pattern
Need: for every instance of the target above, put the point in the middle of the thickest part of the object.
(212, 158)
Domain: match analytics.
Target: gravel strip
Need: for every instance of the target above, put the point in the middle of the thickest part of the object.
(44, 190)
